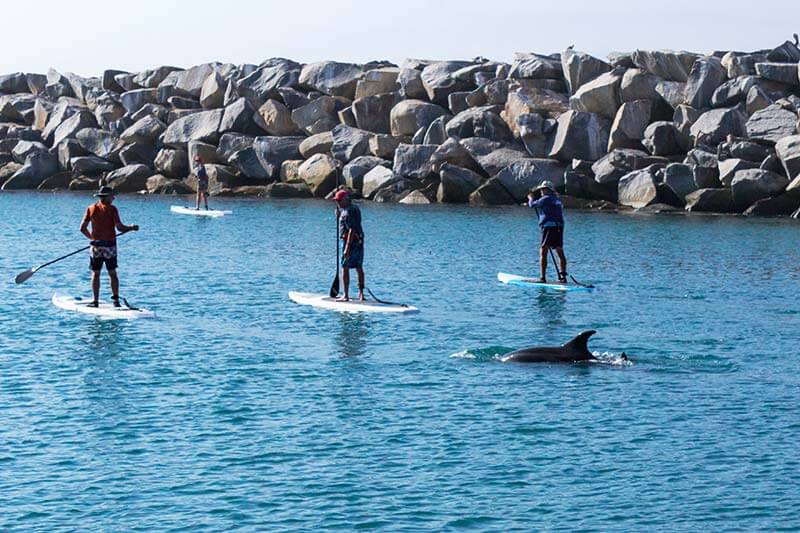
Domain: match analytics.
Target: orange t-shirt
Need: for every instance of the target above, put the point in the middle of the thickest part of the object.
(104, 219)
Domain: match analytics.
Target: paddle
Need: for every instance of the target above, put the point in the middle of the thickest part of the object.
(335, 285)
(22, 277)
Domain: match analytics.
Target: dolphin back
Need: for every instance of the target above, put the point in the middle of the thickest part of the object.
(579, 346)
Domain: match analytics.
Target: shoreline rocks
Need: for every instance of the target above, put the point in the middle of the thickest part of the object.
(655, 131)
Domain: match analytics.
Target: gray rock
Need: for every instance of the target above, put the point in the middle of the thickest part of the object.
(133, 100)
(62, 111)
(206, 152)
(710, 201)
(788, 150)
(782, 205)
(580, 68)
(705, 168)
(535, 66)
(38, 167)
(317, 116)
(706, 75)
(384, 146)
(666, 64)
(159, 184)
(741, 64)
(491, 193)
(729, 167)
(201, 126)
(413, 161)
(713, 127)
(100, 143)
(332, 78)
(189, 82)
(781, 72)
(372, 113)
(749, 186)
(14, 83)
(672, 92)
(609, 169)
(36, 83)
(747, 150)
(293, 98)
(600, 96)
(683, 118)
(320, 173)
(316, 144)
(451, 151)
(230, 143)
(416, 197)
(580, 135)
(17, 108)
(521, 176)
(680, 178)
(410, 81)
(637, 189)
(212, 93)
(479, 122)
(270, 77)
(131, 178)
(353, 173)
(733, 91)
(71, 126)
(172, 163)
(436, 132)
(180, 102)
(276, 119)
(273, 151)
(663, 138)
(248, 164)
(772, 123)
(787, 52)
(757, 99)
(58, 181)
(377, 179)
(378, 81)
(581, 185)
(67, 150)
(439, 82)
(636, 84)
(23, 149)
(533, 101)
(349, 143)
(408, 116)
(90, 164)
(629, 125)
(145, 130)
(288, 190)
(150, 79)
(238, 117)
(456, 184)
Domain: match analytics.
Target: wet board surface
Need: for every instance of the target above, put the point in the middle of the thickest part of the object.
(104, 309)
(527, 281)
(213, 213)
(323, 301)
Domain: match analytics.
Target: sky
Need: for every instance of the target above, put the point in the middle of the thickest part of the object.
(86, 37)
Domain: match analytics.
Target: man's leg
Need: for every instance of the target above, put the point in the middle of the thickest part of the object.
(112, 275)
(563, 260)
(96, 285)
(205, 199)
(346, 283)
(543, 262)
(197, 200)
(360, 272)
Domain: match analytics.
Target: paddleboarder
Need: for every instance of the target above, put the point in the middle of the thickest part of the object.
(105, 221)
(352, 236)
(551, 221)
(202, 182)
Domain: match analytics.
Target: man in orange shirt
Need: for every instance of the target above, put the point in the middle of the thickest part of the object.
(105, 222)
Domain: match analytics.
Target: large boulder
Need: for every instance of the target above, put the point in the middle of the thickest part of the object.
(663, 138)
(269, 78)
(376, 179)
(456, 184)
(151, 78)
(535, 66)
(159, 184)
(413, 161)
(276, 119)
(680, 178)
(230, 143)
(383, 146)
(779, 72)
(14, 83)
(613, 166)
(202, 126)
(349, 143)
(639, 188)
(600, 96)
(666, 64)
(710, 201)
(782, 205)
(378, 81)
(491, 193)
(629, 125)
(527, 101)
(580, 135)
(320, 173)
(145, 130)
(71, 126)
(90, 164)
(787, 52)
(332, 78)
(38, 167)
(729, 167)
(439, 82)
(521, 176)
(453, 152)
(353, 173)
(749, 186)
(479, 122)
(172, 163)
(636, 84)
(316, 144)
(100, 143)
(772, 123)
(273, 151)
(713, 127)
(189, 82)
(671, 92)
(134, 100)
(238, 117)
(373, 112)
(788, 150)
(212, 93)
(408, 116)
(580, 68)
(492, 157)
(705, 166)
(317, 116)
(741, 64)
(706, 75)
(288, 190)
(733, 92)
(131, 178)
(23, 149)
(410, 81)
(138, 154)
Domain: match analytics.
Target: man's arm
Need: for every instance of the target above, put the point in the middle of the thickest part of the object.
(85, 226)
(122, 227)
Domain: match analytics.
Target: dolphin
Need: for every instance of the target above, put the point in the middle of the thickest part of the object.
(574, 351)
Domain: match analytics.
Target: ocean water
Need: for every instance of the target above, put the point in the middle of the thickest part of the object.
(238, 409)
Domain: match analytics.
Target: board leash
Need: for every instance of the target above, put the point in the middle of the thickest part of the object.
(382, 301)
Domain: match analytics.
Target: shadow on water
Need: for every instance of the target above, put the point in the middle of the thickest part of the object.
(353, 333)
(551, 306)
(103, 338)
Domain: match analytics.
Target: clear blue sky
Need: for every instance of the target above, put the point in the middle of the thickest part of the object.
(88, 36)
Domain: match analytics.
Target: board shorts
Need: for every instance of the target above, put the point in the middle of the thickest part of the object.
(202, 185)
(103, 252)
(553, 237)
(356, 257)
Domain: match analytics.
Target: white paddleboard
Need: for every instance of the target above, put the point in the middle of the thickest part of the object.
(324, 301)
(213, 213)
(103, 310)
(525, 281)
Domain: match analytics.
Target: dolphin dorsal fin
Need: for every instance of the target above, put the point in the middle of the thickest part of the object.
(580, 343)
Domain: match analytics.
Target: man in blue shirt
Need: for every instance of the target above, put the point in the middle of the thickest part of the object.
(353, 246)
(551, 220)
(202, 181)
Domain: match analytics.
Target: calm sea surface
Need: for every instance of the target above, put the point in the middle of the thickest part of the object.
(238, 409)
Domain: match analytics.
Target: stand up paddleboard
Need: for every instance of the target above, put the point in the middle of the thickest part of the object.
(103, 310)
(324, 301)
(522, 281)
(213, 213)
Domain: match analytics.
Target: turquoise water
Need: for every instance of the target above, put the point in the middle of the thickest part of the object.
(238, 409)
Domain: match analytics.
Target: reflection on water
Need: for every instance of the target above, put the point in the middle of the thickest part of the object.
(551, 305)
(353, 333)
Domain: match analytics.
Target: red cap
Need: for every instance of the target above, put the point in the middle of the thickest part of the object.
(341, 195)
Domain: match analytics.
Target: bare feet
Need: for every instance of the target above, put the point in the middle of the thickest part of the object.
(344, 298)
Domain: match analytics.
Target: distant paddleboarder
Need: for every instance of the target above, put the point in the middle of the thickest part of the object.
(202, 181)
(551, 220)
(352, 236)
(104, 220)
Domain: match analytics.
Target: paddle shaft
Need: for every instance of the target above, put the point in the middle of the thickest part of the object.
(334, 292)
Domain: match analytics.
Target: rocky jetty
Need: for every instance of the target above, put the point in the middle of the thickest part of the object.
(643, 130)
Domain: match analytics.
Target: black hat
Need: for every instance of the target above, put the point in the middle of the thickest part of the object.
(104, 191)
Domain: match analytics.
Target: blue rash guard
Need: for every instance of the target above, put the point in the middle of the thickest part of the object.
(551, 211)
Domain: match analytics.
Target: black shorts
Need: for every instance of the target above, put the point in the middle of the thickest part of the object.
(99, 255)
(553, 237)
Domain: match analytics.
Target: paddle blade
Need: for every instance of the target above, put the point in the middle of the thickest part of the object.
(22, 277)
(335, 287)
